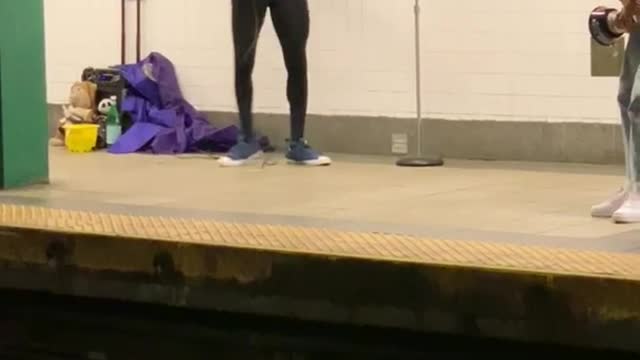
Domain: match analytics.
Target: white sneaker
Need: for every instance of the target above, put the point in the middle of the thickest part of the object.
(629, 212)
(608, 208)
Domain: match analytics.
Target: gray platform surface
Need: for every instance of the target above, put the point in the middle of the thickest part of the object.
(531, 203)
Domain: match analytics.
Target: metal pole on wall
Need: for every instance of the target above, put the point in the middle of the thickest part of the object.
(416, 10)
(123, 32)
(138, 30)
(419, 160)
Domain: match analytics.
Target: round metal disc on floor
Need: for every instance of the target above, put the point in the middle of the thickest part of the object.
(420, 162)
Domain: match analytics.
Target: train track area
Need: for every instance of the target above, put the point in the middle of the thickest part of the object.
(35, 326)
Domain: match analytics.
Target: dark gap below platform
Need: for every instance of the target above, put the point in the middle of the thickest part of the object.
(41, 326)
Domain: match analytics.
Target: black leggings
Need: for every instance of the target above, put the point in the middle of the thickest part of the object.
(291, 22)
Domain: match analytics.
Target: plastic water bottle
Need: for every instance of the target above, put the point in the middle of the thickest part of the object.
(113, 124)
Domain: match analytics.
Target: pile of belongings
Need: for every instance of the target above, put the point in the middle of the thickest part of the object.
(156, 116)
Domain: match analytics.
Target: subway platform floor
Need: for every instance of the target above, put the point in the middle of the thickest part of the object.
(489, 249)
(526, 203)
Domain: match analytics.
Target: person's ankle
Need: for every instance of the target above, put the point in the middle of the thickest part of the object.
(632, 187)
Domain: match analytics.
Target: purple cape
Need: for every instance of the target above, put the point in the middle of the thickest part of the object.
(163, 122)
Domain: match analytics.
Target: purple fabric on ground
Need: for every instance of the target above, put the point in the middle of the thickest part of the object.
(163, 122)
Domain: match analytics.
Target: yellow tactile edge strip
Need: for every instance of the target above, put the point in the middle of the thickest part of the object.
(388, 247)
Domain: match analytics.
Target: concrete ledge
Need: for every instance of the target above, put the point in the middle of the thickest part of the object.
(594, 143)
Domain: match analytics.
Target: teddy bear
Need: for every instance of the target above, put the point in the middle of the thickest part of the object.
(81, 108)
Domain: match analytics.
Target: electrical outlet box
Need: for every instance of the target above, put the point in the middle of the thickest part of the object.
(399, 144)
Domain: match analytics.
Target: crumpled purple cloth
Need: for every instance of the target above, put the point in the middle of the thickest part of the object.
(163, 121)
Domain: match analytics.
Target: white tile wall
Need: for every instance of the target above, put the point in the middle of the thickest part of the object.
(78, 33)
(490, 59)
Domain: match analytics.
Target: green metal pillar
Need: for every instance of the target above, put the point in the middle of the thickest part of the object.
(23, 107)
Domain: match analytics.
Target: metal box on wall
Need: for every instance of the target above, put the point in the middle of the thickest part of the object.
(606, 61)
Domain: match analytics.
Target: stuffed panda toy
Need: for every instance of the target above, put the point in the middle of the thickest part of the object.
(101, 119)
(105, 105)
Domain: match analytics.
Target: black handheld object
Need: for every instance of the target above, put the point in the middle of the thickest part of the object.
(601, 28)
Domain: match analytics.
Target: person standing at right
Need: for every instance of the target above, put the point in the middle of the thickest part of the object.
(291, 22)
(624, 206)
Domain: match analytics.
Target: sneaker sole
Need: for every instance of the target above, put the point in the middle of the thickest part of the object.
(601, 214)
(225, 161)
(318, 162)
(622, 219)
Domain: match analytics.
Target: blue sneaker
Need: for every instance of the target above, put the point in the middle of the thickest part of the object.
(241, 153)
(300, 153)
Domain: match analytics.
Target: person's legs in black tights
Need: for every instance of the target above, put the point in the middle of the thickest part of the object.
(291, 22)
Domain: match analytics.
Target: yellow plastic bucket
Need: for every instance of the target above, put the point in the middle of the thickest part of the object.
(81, 138)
